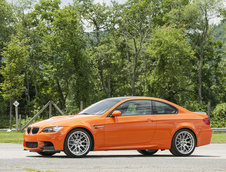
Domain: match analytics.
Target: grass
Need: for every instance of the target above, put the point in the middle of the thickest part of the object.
(218, 137)
(11, 137)
(31, 169)
(17, 137)
(35, 170)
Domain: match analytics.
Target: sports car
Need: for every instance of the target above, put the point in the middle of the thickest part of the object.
(145, 124)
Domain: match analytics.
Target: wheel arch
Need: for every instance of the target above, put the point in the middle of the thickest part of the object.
(87, 130)
(181, 128)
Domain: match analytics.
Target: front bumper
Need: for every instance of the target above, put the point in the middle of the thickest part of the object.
(53, 142)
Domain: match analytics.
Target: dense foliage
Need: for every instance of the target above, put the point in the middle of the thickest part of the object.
(86, 51)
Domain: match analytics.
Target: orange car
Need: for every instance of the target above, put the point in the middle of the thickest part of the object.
(137, 123)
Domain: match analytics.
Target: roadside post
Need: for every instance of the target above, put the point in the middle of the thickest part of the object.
(81, 105)
(209, 109)
(20, 122)
(50, 109)
(16, 104)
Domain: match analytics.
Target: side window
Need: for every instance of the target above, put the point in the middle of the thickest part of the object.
(135, 107)
(163, 108)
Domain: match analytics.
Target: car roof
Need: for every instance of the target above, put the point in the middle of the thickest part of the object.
(119, 99)
(128, 97)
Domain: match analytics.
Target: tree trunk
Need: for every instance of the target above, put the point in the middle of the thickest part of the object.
(27, 90)
(109, 86)
(209, 109)
(10, 113)
(62, 98)
(97, 30)
(129, 61)
(202, 42)
(102, 80)
(133, 79)
(200, 77)
(106, 89)
(134, 68)
(34, 78)
(145, 76)
(36, 88)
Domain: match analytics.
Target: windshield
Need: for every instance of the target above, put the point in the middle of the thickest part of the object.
(100, 107)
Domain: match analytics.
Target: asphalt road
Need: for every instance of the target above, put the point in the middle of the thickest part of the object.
(211, 158)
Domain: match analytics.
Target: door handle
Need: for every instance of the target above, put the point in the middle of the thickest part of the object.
(150, 120)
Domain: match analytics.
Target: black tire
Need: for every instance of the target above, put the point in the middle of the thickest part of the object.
(46, 154)
(178, 146)
(148, 152)
(68, 149)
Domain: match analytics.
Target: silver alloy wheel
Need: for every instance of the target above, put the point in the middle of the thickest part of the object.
(185, 142)
(78, 143)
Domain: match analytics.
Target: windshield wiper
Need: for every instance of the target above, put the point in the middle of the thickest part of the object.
(85, 113)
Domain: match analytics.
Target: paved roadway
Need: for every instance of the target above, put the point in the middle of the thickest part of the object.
(210, 158)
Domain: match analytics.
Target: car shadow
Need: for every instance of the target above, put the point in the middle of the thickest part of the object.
(126, 156)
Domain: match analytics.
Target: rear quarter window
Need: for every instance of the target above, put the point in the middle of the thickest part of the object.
(163, 108)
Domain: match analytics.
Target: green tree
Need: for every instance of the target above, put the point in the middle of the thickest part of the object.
(6, 18)
(15, 56)
(135, 25)
(6, 28)
(171, 55)
(64, 47)
(195, 18)
(100, 20)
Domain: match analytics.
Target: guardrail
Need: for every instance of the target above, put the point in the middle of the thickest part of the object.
(219, 129)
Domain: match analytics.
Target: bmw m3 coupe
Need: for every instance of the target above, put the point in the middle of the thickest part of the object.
(144, 124)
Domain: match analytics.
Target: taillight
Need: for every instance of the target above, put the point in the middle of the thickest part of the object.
(206, 121)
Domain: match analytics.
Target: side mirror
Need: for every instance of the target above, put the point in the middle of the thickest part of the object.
(116, 113)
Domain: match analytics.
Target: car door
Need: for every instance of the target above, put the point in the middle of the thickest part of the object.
(165, 116)
(134, 126)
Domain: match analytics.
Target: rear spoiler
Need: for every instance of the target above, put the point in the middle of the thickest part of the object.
(201, 113)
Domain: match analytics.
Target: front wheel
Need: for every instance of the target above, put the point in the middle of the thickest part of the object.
(77, 143)
(183, 143)
(148, 152)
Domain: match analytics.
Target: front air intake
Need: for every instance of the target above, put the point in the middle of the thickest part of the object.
(32, 144)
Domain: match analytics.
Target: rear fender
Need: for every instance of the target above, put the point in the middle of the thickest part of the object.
(184, 125)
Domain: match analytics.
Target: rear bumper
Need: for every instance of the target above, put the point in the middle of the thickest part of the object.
(204, 137)
(51, 142)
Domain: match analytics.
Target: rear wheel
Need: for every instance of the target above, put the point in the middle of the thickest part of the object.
(148, 152)
(47, 154)
(183, 143)
(77, 143)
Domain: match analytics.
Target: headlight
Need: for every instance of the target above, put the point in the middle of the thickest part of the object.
(51, 129)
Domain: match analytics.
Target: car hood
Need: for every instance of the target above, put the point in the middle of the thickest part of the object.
(69, 120)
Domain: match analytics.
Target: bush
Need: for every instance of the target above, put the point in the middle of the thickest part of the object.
(4, 122)
(195, 106)
(218, 118)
